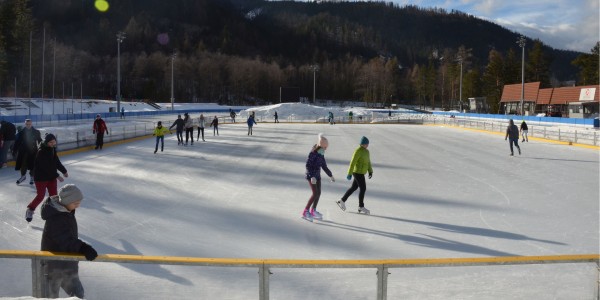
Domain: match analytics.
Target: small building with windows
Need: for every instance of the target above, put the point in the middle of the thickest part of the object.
(573, 102)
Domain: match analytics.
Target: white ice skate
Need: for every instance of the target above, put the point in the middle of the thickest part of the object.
(21, 179)
(341, 204)
(316, 215)
(307, 216)
(364, 210)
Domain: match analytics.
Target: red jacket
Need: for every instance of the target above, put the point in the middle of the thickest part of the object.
(100, 126)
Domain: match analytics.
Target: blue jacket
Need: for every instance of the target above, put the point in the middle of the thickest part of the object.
(250, 121)
(314, 163)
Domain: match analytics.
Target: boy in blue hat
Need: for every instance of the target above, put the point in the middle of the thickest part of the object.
(359, 166)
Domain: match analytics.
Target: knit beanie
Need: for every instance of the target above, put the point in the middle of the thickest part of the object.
(364, 140)
(322, 141)
(68, 194)
(49, 137)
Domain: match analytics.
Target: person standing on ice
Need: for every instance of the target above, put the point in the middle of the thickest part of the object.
(201, 125)
(359, 166)
(276, 117)
(250, 122)
(25, 149)
(189, 128)
(99, 129)
(512, 134)
(45, 170)
(60, 235)
(524, 130)
(314, 164)
(159, 133)
(215, 125)
(178, 124)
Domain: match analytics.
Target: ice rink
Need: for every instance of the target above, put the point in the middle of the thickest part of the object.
(436, 192)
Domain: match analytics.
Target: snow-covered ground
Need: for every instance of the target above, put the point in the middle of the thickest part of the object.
(436, 192)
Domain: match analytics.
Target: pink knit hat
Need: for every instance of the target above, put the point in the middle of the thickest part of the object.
(322, 141)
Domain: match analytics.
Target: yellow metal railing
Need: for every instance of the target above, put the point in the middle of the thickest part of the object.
(264, 265)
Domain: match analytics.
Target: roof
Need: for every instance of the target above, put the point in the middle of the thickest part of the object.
(512, 92)
(562, 95)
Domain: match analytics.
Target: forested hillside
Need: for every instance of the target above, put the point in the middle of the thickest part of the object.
(237, 51)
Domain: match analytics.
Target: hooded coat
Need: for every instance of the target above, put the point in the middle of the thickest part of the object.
(60, 233)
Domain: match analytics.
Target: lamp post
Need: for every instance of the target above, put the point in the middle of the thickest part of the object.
(43, 67)
(53, 74)
(521, 42)
(172, 81)
(315, 68)
(120, 38)
(460, 60)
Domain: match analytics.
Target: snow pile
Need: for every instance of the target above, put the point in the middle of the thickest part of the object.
(301, 111)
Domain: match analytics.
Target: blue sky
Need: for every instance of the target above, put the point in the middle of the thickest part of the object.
(561, 24)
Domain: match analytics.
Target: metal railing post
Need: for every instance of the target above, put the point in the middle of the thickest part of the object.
(39, 285)
(382, 275)
(597, 280)
(263, 282)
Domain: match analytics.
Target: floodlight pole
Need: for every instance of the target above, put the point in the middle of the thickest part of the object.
(521, 42)
(173, 81)
(120, 38)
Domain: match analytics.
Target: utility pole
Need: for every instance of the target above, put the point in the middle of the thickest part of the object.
(521, 42)
(120, 38)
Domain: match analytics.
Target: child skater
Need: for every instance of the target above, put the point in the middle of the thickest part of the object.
(314, 163)
(159, 133)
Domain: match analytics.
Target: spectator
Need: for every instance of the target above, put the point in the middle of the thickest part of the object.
(8, 132)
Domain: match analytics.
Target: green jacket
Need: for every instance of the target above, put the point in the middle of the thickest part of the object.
(361, 162)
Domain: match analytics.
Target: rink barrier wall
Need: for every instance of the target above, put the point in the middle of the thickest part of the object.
(39, 284)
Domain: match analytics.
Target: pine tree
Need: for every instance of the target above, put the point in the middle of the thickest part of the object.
(588, 66)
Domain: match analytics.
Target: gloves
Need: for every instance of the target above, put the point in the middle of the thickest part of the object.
(370, 175)
(313, 180)
(332, 179)
(89, 252)
(349, 177)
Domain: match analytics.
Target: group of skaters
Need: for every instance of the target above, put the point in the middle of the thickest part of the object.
(60, 234)
(187, 124)
(360, 165)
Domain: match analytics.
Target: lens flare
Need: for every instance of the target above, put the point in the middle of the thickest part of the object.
(101, 5)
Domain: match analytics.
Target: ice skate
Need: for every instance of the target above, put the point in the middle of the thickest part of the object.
(316, 215)
(364, 210)
(21, 179)
(341, 204)
(519, 150)
(307, 216)
(28, 215)
(31, 180)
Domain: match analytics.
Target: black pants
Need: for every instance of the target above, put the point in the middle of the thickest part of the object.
(359, 182)
(179, 137)
(316, 195)
(249, 130)
(189, 133)
(200, 130)
(99, 140)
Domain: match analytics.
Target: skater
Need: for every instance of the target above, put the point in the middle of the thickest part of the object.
(250, 122)
(232, 115)
(60, 235)
(25, 149)
(189, 128)
(512, 134)
(159, 133)
(122, 112)
(524, 130)
(201, 124)
(350, 114)
(359, 166)
(314, 164)
(45, 170)
(178, 129)
(215, 125)
(8, 132)
(330, 117)
(99, 129)
(276, 117)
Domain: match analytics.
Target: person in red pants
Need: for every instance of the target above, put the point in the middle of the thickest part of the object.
(46, 167)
